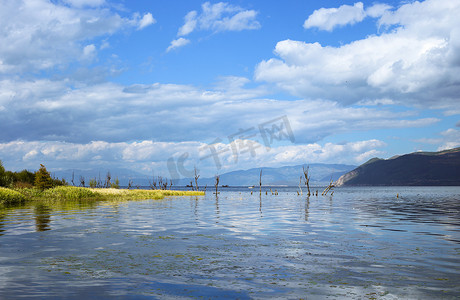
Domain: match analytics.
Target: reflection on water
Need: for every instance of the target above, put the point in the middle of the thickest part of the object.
(42, 217)
(362, 243)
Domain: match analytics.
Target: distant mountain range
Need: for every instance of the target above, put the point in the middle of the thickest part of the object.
(287, 175)
(414, 169)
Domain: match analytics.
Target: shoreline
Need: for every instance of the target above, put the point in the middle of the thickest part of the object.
(67, 193)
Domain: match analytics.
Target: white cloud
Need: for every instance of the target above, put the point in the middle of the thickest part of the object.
(153, 156)
(146, 20)
(417, 63)
(39, 35)
(447, 139)
(383, 101)
(219, 17)
(82, 3)
(180, 42)
(189, 24)
(328, 18)
(377, 10)
(450, 139)
(89, 52)
(55, 110)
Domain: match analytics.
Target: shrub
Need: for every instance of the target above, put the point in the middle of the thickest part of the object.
(43, 179)
(8, 196)
(22, 185)
(2, 175)
(25, 177)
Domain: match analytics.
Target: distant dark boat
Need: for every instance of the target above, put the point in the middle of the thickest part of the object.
(188, 185)
(225, 185)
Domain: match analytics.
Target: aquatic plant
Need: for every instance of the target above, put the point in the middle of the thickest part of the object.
(9, 196)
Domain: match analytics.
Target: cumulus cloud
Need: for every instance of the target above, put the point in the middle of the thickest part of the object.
(216, 18)
(151, 156)
(146, 20)
(180, 42)
(416, 63)
(330, 18)
(55, 110)
(219, 17)
(39, 35)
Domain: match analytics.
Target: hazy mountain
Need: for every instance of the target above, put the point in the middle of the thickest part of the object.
(288, 175)
(418, 168)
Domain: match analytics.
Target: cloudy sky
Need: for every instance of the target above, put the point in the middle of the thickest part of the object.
(163, 86)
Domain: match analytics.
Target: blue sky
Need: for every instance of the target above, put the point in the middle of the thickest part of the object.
(163, 86)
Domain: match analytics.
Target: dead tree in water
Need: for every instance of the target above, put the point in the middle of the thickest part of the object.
(260, 182)
(108, 177)
(153, 183)
(300, 187)
(217, 183)
(307, 179)
(82, 181)
(196, 178)
(328, 188)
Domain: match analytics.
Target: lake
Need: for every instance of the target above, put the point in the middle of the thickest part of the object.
(360, 243)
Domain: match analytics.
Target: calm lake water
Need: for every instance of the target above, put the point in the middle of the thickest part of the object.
(361, 243)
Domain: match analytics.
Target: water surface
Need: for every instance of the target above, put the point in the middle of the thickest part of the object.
(360, 243)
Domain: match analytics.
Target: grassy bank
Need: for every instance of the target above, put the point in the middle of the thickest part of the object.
(122, 194)
(8, 196)
(68, 193)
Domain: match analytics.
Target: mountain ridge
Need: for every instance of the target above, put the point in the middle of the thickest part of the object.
(440, 168)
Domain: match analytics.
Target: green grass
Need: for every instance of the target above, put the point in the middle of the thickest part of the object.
(8, 196)
(122, 194)
(71, 193)
(62, 193)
